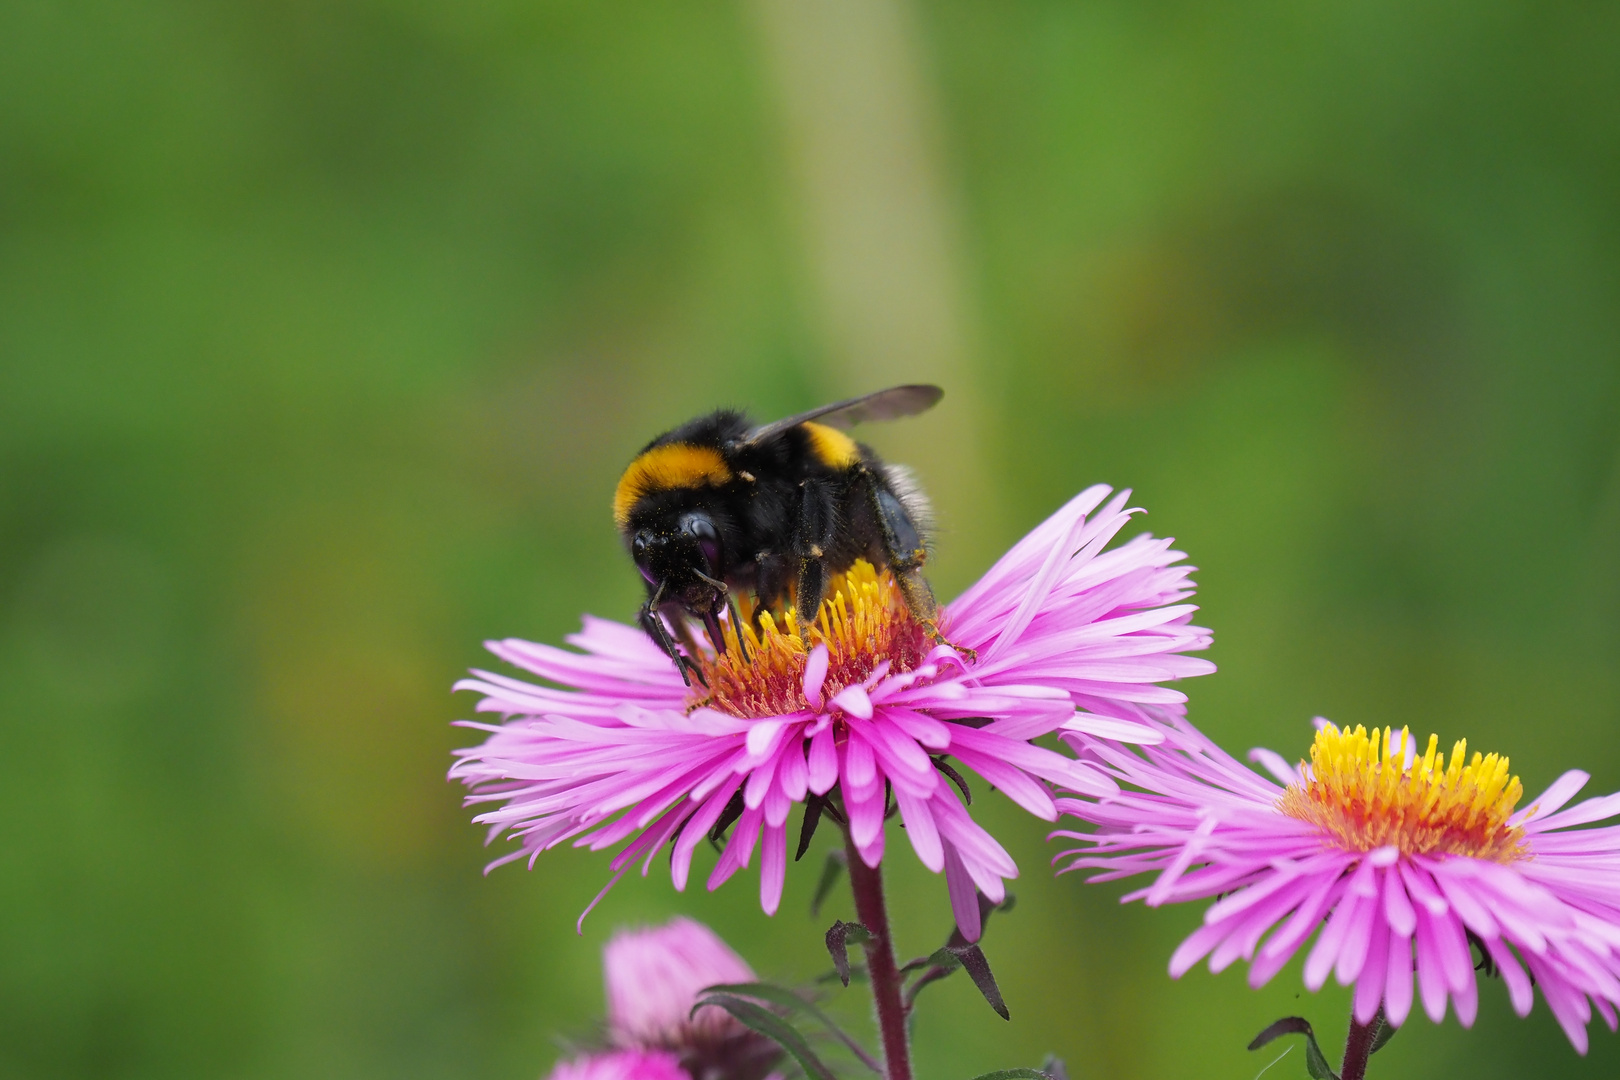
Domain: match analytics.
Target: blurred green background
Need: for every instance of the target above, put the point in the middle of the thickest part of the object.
(326, 327)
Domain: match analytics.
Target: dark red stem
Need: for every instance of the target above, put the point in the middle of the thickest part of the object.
(1358, 1048)
(882, 972)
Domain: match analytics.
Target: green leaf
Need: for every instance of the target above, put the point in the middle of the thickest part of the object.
(830, 872)
(773, 1027)
(788, 999)
(1315, 1063)
(1015, 1074)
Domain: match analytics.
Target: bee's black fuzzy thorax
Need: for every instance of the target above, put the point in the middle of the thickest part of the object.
(718, 504)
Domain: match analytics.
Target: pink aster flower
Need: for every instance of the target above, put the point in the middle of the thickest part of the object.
(620, 1065)
(860, 707)
(1402, 859)
(653, 976)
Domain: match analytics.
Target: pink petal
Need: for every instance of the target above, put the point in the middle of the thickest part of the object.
(815, 674)
(920, 828)
(1430, 968)
(854, 700)
(1398, 979)
(860, 766)
(823, 762)
(920, 726)
(763, 737)
(1455, 958)
(1466, 1002)
(1280, 947)
(964, 901)
(865, 819)
(1194, 948)
(777, 806)
(745, 834)
(1370, 980)
(1160, 891)
(1326, 951)
(1520, 991)
(1562, 790)
(759, 781)
(1106, 727)
(1358, 935)
(1463, 900)
(1275, 764)
(1397, 906)
(1039, 587)
(772, 868)
(1581, 813)
(792, 772)
(696, 829)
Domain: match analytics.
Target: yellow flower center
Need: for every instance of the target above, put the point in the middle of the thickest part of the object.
(1364, 794)
(863, 621)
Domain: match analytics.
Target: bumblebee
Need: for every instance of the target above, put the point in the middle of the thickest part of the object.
(720, 504)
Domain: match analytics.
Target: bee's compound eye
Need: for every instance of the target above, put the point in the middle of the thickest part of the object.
(700, 527)
(641, 551)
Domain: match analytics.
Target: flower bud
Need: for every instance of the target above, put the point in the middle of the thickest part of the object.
(653, 978)
(620, 1065)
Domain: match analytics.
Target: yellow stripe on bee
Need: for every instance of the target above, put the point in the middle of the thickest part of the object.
(835, 449)
(673, 465)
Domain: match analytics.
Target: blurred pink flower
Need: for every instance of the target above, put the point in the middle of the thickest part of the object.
(620, 1065)
(1400, 858)
(653, 977)
(1060, 635)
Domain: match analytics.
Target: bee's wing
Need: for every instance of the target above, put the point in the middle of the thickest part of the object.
(890, 404)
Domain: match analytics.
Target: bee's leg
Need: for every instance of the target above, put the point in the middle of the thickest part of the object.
(905, 552)
(654, 627)
(688, 640)
(770, 583)
(717, 634)
(736, 625)
(812, 535)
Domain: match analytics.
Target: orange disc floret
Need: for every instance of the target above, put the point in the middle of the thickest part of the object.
(1364, 792)
(863, 622)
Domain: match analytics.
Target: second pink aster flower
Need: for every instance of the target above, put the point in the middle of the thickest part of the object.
(856, 713)
(1402, 860)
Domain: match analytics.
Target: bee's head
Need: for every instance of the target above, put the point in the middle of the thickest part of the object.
(681, 561)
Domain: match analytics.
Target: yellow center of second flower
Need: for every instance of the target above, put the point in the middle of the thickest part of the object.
(863, 621)
(1361, 791)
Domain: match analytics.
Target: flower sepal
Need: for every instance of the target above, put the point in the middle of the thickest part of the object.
(958, 953)
(1315, 1061)
(840, 936)
(1365, 1041)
